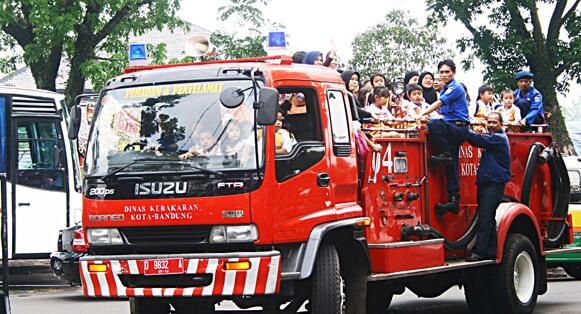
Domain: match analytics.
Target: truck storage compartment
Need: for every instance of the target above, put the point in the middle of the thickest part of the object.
(408, 255)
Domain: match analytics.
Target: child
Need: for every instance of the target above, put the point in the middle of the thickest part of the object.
(483, 108)
(510, 113)
(233, 143)
(206, 146)
(380, 108)
(283, 139)
(413, 107)
(484, 102)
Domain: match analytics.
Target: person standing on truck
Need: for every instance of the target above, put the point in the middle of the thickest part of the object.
(493, 173)
(450, 132)
(528, 99)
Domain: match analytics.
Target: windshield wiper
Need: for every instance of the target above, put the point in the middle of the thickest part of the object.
(116, 171)
(165, 161)
(189, 165)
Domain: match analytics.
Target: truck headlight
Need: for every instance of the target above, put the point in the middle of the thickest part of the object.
(104, 236)
(233, 234)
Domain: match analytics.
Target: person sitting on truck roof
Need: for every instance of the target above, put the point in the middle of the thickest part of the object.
(313, 57)
(493, 174)
(450, 132)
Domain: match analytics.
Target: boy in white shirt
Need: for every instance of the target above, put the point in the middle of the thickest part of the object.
(510, 113)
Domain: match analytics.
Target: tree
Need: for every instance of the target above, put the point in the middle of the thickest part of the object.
(397, 45)
(515, 37)
(246, 16)
(47, 30)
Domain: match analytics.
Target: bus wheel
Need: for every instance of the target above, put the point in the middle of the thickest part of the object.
(335, 290)
(517, 282)
(573, 270)
(378, 298)
(148, 306)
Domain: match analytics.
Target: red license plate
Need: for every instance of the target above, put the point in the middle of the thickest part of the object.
(164, 266)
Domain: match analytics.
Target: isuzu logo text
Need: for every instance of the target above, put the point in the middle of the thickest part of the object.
(161, 188)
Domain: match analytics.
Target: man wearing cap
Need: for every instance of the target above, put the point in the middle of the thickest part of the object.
(450, 132)
(528, 99)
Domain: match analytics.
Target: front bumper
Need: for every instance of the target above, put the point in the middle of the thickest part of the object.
(65, 266)
(203, 275)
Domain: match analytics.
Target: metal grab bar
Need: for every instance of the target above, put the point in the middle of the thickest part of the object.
(5, 307)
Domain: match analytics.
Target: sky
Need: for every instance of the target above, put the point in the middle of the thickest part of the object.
(326, 24)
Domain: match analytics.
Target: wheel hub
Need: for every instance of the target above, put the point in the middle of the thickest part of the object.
(524, 277)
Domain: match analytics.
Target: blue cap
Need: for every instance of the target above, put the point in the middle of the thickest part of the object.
(524, 74)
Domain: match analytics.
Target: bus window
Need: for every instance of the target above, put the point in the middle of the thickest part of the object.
(40, 156)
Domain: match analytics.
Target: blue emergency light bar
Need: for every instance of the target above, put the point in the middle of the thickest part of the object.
(277, 39)
(137, 52)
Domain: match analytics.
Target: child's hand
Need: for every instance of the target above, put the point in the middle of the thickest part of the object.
(376, 147)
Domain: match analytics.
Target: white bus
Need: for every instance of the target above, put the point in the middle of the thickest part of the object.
(42, 166)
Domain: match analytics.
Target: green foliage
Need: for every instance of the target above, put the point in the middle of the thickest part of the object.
(244, 9)
(398, 44)
(514, 37)
(244, 47)
(248, 17)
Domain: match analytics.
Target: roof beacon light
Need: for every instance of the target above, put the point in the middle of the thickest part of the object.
(138, 54)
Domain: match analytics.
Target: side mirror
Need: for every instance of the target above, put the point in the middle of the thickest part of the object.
(267, 106)
(75, 122)
(232, 97)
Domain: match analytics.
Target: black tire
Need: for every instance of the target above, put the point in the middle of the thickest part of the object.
(573, 270)
(148, 306)
(478, 291)
(327, 284)
(333, 290)
(520, 260)
(378, 298)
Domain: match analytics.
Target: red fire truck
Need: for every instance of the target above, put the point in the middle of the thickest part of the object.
(186, 202)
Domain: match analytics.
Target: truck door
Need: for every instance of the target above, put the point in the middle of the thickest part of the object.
(343, 168)
(303, 197)
(39, 185)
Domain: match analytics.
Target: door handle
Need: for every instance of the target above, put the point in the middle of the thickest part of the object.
(323, 179)
(23, 204)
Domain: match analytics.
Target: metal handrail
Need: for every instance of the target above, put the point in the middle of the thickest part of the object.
(4, 241)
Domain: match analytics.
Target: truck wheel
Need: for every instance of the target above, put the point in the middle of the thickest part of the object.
(148, 306)
(336, 290)
(573, 270)
(378, 299)
(478, 292)
(517, 282)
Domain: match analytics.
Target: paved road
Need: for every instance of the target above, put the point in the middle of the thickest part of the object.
(562, 297)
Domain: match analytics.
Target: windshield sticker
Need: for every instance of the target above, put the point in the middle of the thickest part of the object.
(179, 89)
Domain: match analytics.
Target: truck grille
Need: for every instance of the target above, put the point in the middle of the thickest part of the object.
(166, 235)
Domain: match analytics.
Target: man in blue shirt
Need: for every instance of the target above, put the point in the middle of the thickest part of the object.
(493, 173)
(450, 132)
(529, 100)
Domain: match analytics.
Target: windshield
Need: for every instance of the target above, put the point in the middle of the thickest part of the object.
(177, 125)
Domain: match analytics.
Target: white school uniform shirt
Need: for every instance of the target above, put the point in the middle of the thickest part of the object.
(381, 112)
(510, 115)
